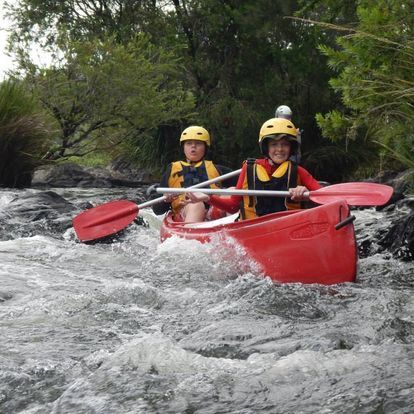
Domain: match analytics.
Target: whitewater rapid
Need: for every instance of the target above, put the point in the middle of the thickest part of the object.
(137, 326)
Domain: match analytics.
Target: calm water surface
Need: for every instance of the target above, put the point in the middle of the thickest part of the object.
(142, 327)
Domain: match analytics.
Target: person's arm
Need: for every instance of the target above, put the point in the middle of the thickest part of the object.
(163, 206)
(230, 204)
(307, 179)
(308, 183)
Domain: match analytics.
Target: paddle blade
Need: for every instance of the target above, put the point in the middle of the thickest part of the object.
(355, 194)
(105, 220)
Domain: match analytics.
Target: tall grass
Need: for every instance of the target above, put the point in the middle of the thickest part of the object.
(24, 134)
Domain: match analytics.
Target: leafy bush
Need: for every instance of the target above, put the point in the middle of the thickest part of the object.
(375, 65)
(23, 135)
(337, 163)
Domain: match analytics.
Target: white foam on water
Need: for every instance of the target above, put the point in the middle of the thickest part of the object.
(142, 327)
(222, 257)
(159, 352)
(5, 199)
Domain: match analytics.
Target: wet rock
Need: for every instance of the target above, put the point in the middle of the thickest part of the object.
(125, 174)
(402, 182)
(36, 213)
(395, 235)
(399, 239)
(119, 174)
(68, 175)
(44, 204)
(399, 181)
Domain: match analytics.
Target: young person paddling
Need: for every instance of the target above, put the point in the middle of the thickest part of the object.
(195, 141)
(278, 141)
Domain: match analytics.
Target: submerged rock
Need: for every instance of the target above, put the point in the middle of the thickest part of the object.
(36, 213)
(5, 296)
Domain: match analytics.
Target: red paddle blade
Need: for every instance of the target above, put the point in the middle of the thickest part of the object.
(105, 220)
(355, 194)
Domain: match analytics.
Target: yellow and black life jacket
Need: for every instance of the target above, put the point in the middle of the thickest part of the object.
(257, 178)
(184, 174)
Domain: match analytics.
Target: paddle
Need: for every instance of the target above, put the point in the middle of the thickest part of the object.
(110, 218)
(355, 194)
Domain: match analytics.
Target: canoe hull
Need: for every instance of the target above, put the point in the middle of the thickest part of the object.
(301, 246)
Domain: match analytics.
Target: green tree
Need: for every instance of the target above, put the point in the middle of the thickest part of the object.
(24, 134)
(105, 95)
(329, 11)
(246, 58)
(375, 66)
(240, 59)
(41, 21)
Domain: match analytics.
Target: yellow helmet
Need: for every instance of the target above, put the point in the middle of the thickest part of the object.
(278, 128)
(196, 132)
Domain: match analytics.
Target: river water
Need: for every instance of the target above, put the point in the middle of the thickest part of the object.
(137, 326)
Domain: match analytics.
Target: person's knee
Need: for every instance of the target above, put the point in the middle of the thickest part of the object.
(195, 212)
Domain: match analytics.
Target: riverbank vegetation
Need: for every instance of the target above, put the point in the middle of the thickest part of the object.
(127, 77)
(24, 134)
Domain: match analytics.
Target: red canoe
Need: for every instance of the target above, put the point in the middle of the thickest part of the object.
(315, 245)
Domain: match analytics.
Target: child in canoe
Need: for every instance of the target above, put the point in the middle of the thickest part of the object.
(195, 141)
(278, 142)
